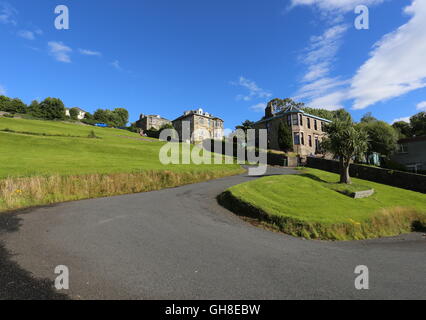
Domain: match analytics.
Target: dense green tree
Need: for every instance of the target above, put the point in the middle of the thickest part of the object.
(101, 115)
(52, 109)
(341, 114)
(346, 141)
(404, 129)
(35, 110)
(4, 103)
(117, 118)
(383, 138)
(368, 117)
(246, 125)
(285, 137)
(88, 116)
(121, 116)
(74, 112)
(12, 105)
(418, 124)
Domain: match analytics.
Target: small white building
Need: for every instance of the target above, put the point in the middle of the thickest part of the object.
(81, 113)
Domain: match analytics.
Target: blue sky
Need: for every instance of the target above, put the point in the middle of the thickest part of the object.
(227, 56)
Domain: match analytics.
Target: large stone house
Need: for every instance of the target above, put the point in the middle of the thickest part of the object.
(307, 129)
(412, 153)
(151, 122)
(201, 125)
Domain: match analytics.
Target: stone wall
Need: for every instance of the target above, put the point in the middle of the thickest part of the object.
(274, 159)
(399, 179)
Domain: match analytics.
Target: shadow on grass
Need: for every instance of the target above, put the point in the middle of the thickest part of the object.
(15, 282)
(313, 177)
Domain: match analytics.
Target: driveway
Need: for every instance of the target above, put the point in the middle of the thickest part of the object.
(180, 244)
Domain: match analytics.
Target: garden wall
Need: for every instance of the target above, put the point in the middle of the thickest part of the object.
(399, 179)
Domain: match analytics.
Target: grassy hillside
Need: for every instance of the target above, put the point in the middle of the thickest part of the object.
(71, 152)
(309, 205)
(45, 162)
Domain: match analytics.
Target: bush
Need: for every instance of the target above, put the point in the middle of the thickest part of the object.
(92, 135)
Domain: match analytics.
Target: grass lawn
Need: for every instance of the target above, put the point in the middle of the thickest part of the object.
(33, 150)
(308, 205)
(115, 151)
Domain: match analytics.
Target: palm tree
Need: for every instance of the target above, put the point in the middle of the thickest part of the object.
(346, 141)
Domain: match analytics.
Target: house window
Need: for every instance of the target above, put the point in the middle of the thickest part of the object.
(289, 120)
(295, 118)
(309, 123)
(301, 120)
(310, 141)
(296, 138)
(317, 145)
(315, 124)
(402, 148)
(302, 136)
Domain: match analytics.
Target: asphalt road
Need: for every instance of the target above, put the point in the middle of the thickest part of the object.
(180, 244)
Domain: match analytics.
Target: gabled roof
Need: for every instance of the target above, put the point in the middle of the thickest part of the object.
(290, 110)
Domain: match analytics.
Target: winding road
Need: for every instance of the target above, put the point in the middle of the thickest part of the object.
(180, 244)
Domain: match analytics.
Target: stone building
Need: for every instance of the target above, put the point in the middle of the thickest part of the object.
(151, 122)
(412, 153)
(201, 126)
(307, 129)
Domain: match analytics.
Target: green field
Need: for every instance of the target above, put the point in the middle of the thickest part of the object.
(46, 162)
(310, 205)
(115, 151)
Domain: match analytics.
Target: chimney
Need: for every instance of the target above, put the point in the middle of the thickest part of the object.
(270, 109)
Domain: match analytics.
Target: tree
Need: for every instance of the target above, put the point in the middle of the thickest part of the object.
(35, 110)
(116, 118)
(101, 116)
(122, 116)
(404, 129)
(368, 117)
(74, 112)
(245, 126)
(346, 141)
(52, 109)
(285, 137)
(4, 103)
(342, 115)
(418, 123)
(383, 138)
(12, 105)
(88, 116)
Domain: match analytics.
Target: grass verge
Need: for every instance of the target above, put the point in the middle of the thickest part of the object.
(18, 193)
(306, 206)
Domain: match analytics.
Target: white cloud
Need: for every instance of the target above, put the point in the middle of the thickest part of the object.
(87, 52)
(322, 51)
(405, 119)
(116, 65)
(29, 35)
(397, 64)
(421, 106)
(335, 5)
(254, 91)
(60, 51)
(260, 107)
(2, 90)
(7, 13)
